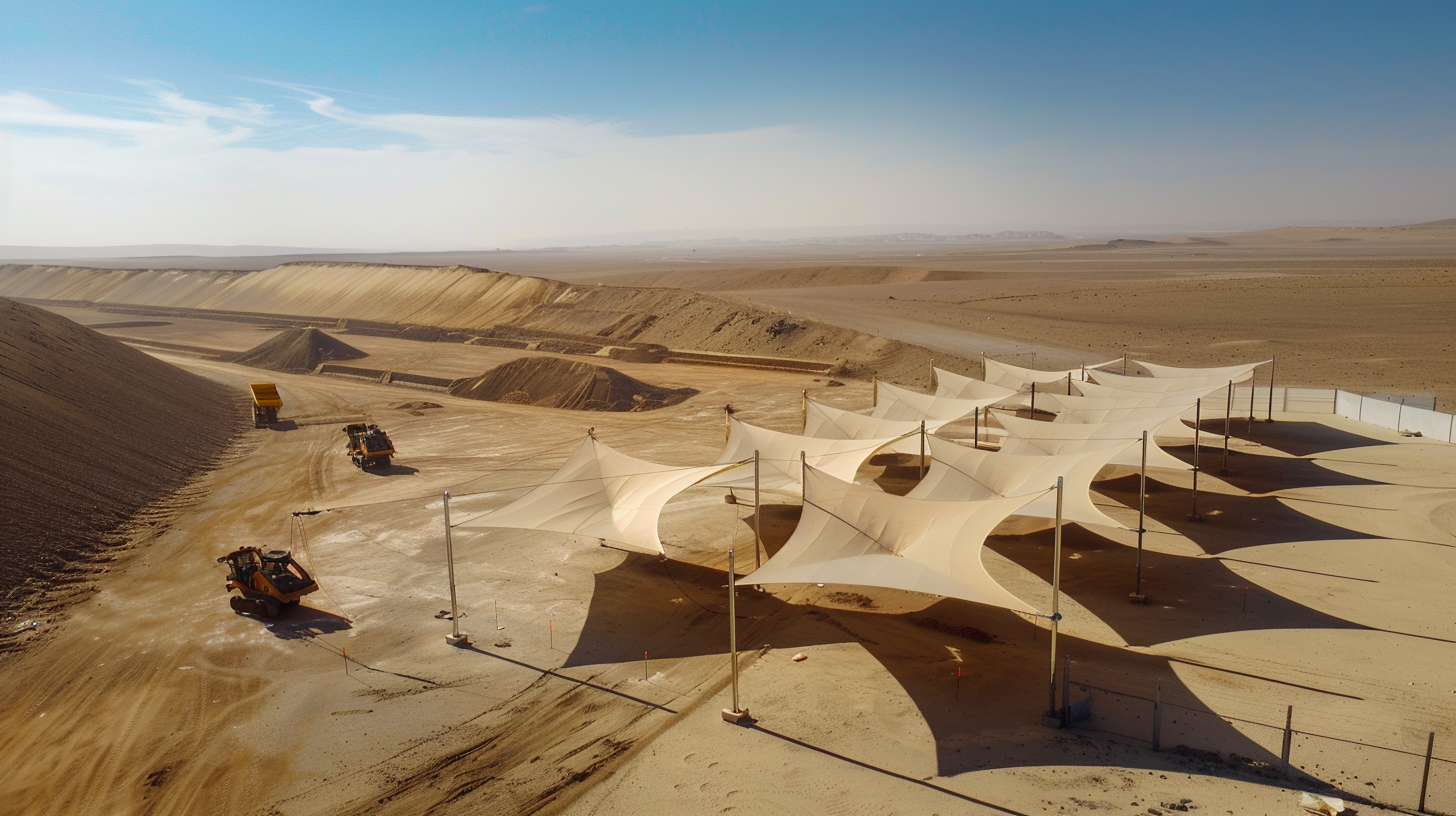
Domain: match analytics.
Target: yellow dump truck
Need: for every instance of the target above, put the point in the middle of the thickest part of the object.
(266, 403)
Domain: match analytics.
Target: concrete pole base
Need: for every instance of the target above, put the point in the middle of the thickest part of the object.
(1136, 597)
(737, 717)
(461, 639)
(1051, 720)
(1198, 519)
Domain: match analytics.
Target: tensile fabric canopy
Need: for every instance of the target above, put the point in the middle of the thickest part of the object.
(862, 536)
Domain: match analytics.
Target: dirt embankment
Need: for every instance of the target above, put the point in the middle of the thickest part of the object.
(298, 350)
(797, 277)
(551, 382)
(93, 431)
(466, 298)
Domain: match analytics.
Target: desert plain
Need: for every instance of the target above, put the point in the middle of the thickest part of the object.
(1320, 578)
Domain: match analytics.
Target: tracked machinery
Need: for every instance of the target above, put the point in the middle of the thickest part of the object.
(266, 581)
(368, 446)
(269, 581)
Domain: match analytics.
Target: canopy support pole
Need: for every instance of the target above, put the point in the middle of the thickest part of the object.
(978, 428)
(933, 383)
(1053, 718)
(1228, 417)
(922, 449)
(1124, 364)
(1197, 446)
(1270, 417)
(1069, 383)
(735, 714)
(1033, 400)
(456, 637)
(1251, 405)
(757, 518)
(875, 385)
(804, 410)
(1137, 595)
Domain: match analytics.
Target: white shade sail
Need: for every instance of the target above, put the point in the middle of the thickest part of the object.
(1106, 398)
(826, 422)
(1237, 373)
(600, 493)
(862, 536)
(1159, 384)
(959, 473)
(1020, 379)
(1032, 436)
(959, 386)
(779, 463)
(894, 402)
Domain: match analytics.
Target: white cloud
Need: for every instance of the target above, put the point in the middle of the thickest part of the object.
(169, 169)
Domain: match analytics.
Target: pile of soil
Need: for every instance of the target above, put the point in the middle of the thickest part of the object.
(551, 382)
(93, 431)
(298, 350)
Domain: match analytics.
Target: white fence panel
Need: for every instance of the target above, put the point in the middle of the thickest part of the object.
(1427, 423)
(1310, 400)
(1347, 405)
(1379, 412)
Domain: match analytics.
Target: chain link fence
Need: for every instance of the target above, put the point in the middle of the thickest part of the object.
(1414, 777)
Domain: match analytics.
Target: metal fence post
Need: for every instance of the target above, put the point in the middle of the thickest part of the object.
(1158, 717)
(1288, 739)
(1426, 774)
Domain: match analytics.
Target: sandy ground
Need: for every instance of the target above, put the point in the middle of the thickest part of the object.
(1319, 579)
(155, 697)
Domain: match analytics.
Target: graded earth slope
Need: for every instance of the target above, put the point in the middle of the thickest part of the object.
(298, 350)
(461, 297)
(94, 430)
(550, 382)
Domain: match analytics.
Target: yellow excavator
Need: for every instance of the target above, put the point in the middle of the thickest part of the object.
(266, 581)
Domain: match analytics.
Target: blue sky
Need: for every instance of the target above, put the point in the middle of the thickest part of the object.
(463, 125)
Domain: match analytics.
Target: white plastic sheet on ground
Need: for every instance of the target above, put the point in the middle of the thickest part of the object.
(959, 386)
(1032, 436)
(778, 452)
(1020, 379)
(599, 493)
(960, 473)
(894, 402)
(1237, 373)
(862, 536)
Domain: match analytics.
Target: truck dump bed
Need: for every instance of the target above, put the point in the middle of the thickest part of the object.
(265, 395)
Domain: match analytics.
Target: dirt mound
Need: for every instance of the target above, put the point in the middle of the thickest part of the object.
(550, 382)
(298, 350)
(94, 430)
